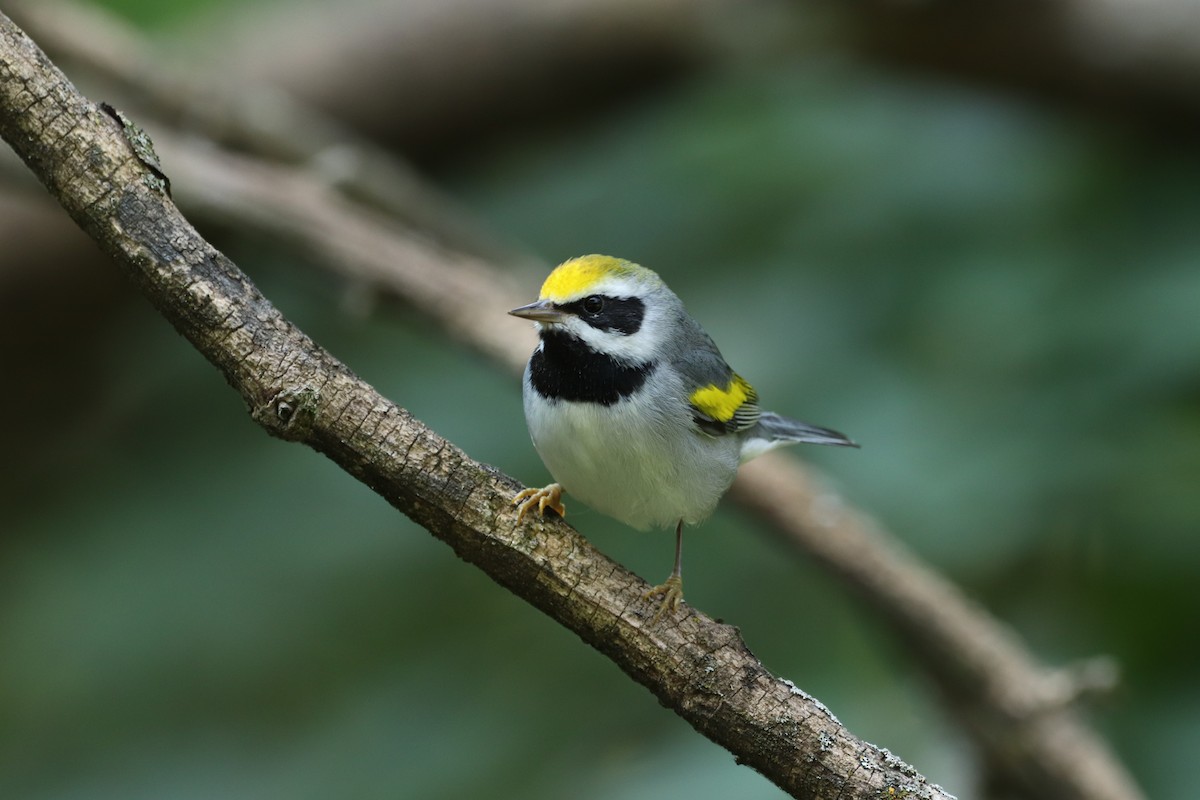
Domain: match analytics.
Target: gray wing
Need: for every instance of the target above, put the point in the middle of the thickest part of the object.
(722, 402)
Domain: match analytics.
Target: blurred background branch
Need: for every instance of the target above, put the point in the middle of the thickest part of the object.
(1014, 709)
(987, 677)
(299, 392)
(1137, 61)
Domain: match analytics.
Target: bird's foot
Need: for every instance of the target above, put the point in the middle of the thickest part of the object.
(550, 497)
(671, 592)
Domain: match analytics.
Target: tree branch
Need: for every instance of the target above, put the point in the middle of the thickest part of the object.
(1015, 710)
(297, 391)
(1019, 712)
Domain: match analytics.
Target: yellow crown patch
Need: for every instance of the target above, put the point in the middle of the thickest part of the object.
(573, 278)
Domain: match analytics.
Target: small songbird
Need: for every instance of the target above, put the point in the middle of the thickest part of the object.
(632, 408)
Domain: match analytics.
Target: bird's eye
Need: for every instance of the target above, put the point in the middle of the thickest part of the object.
(593, 304)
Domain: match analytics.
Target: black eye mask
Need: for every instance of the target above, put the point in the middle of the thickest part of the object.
(621, 315)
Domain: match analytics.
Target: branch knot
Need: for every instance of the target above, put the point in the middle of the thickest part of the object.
(289, 413)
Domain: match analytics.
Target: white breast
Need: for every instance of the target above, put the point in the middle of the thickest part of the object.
(639, 461)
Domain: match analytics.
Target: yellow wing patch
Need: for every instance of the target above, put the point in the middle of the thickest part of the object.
(723, 403)
(573, 278)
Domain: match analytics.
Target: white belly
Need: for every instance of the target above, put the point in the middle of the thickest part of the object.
(640, 463)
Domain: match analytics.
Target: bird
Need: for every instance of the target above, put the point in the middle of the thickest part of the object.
(633, 409)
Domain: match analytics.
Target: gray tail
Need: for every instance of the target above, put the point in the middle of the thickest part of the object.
(776, 429)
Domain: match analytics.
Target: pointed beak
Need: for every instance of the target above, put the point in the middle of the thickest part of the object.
(541, 311)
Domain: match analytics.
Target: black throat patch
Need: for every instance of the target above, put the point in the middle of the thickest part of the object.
(564, 368)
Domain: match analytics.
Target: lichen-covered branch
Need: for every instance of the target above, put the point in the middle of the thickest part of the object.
(297, 391)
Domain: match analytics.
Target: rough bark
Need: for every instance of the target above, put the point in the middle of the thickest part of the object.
(100, 169)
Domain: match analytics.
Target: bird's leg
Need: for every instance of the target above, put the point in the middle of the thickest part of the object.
(671, 590)
(550, 497)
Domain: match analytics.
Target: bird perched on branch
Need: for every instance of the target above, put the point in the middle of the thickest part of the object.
(632, 408)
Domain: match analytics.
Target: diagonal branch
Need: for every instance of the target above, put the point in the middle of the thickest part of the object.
(1016, 711)
(1019, 712)
(298, 391)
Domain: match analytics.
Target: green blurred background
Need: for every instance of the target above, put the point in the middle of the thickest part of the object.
(997, 296)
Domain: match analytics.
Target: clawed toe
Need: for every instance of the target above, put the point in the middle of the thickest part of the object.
(671, 592)
(549, 497)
